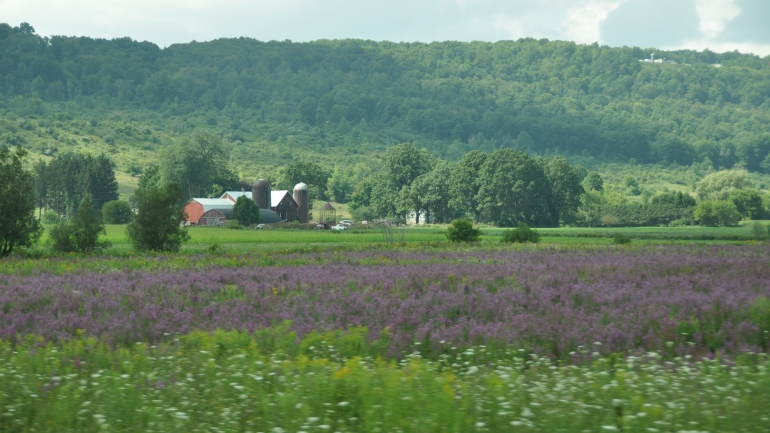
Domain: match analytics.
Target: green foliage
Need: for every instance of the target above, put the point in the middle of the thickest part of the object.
(759, 231)
(515, 189)
(151, 177)
(621, 239)
(312, 174)
(461, 230)
(465, 183)
(521, 234)
(199, 163)
(18, 225)
(50, 218)
(117, 212)
(717, 214)
(566, 189)
(246, 212)
(356, 94)
(233, 225)
(62, 183)
(613, 209)
(718, 186)
(404, 163)
(156, 225)
(341, 380)
(675, 199)
(593, 182)
(81, 234)
(748, 202)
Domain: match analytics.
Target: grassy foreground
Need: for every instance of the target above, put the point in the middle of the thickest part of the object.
(231, 381)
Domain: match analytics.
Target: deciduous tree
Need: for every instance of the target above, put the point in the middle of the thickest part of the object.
(156, 226)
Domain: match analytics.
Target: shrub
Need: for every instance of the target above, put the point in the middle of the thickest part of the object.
(82, 233)
(51, 217)
(462, 230)
(117, 212)
(717, 213)
(521, 234)
(233, 225)
(620, 239)
(759, 232)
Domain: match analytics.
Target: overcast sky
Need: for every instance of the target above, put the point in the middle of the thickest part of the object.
(719, 25)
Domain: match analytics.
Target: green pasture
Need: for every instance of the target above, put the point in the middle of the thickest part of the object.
(204, 238)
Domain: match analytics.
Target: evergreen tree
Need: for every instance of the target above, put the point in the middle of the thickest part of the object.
(18, 225)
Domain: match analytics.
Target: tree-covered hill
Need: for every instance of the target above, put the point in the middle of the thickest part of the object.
(357, 97)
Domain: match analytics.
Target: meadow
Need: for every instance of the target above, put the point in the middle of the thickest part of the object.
(209, 239)
(350, 337)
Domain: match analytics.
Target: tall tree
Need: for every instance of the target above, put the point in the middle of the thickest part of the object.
(18, 225)
(566, 189)
(200, 163)
(435, 193)
(156, 226)
(465, 183)
(514, 189)
(102, 185)
(404, 163)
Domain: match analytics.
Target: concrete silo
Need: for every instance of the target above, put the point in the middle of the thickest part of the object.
(301, 196)
(260, 193)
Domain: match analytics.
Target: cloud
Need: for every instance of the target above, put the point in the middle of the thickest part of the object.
(714, 15)
(583, 22)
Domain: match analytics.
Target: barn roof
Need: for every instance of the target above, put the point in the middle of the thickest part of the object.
(236, 194)
(277, 196)
(221, 204)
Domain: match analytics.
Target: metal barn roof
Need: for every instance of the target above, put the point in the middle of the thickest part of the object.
(236, 194)
(220, 204)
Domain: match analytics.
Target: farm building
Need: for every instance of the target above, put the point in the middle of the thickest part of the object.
(208, 211)
(274, 206)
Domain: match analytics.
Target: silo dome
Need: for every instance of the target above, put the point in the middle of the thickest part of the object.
(260, 193)
(302, 186)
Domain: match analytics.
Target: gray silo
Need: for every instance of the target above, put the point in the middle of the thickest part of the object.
(303, 200)
(260, 192)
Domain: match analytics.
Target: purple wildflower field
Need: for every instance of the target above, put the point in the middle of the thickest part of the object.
(697, 300)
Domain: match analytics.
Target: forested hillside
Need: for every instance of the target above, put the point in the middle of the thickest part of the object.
(342, 101)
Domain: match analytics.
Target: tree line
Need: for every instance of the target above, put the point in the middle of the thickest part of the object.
(536, 96)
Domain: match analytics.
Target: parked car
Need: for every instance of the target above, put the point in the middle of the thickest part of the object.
(346, 222)
(340, 227)
(261, 227)
(321, 227)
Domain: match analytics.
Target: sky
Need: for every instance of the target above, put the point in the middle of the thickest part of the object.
(718, 25)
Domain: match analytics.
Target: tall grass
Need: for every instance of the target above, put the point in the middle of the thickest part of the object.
(235, 382)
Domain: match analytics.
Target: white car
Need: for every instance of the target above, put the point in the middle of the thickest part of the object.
(346, 222)
(340, 227)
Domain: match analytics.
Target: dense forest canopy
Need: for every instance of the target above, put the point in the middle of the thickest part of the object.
(538, 96)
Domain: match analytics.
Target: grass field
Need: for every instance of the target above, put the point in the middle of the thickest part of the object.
(204, 237)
